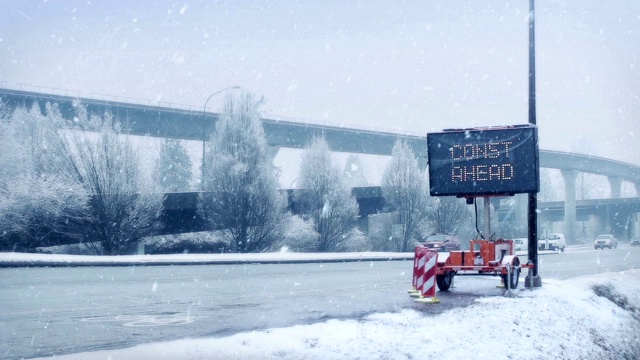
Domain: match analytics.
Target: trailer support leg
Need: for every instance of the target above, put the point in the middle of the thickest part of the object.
(509, 292)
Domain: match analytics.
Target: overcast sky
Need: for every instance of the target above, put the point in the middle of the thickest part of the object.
(412, 66)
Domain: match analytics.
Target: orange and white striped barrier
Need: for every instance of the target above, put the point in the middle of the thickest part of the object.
(425, 275)
(414, 288)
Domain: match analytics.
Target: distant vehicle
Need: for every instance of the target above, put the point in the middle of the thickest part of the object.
(635, 241)
(521, 243)
(553, 241)
(605, 241)
(441, 242)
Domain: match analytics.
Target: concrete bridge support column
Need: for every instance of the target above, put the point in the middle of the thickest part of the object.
(615, 183)
(272, 151)
(570, 176)
(637, 185)
(363, 225)
(422, 164)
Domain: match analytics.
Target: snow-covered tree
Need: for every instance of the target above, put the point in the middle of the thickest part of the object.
(405, 189)
(38, 205)
(41, 211)
(354, 172)
(173, 167)
(240, 183)
(449, 214)
(381, 232)
(124, 205)
(325, 199)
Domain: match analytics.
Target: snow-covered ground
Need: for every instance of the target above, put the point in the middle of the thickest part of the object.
(592, 317)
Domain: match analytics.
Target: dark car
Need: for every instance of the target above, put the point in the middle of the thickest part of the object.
(635, 241)
(441, 242)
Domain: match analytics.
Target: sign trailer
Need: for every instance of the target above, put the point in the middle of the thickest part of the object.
(471, 163)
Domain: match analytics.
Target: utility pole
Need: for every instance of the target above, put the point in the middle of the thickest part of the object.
(532, 280)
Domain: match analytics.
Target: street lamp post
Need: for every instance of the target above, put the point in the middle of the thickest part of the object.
(204, 127)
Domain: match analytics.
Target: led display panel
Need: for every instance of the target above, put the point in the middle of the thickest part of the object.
(484, 161)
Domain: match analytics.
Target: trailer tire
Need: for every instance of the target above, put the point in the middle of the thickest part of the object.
(444, 281)
(515, 277)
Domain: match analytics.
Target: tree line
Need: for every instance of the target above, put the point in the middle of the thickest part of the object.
(82, 181)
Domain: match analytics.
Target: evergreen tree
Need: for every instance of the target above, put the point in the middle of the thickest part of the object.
(240, 183)
(326, 200)
(406, 190)
(354, 172)
(173, 167)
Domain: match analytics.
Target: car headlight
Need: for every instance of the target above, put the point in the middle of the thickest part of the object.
(436, 245)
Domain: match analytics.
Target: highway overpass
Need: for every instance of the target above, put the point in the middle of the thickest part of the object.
(140, 118)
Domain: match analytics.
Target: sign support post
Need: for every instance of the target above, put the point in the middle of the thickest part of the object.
(487, 218)
(534, 279)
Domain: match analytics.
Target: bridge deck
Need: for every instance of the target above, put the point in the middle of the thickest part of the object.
(159, 121)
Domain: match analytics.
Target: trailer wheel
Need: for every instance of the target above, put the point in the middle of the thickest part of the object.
(515, 277)
(444, 281)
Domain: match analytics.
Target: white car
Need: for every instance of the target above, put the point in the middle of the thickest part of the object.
(521, 244)
(553, 241)
(605, 241)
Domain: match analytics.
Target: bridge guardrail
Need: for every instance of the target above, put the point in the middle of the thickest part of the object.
(178, 106)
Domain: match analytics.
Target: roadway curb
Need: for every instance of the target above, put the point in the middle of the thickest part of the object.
(147, 260)
(22, 264)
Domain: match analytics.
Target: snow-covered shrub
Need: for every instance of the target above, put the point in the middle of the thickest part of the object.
(69, 249)
(199, 243)
(42, 211)
(299, 236)
(354, 241)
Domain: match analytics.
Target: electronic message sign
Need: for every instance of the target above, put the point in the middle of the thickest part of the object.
(484, 161)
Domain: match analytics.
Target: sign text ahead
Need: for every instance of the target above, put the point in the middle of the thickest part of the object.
(485, 161)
